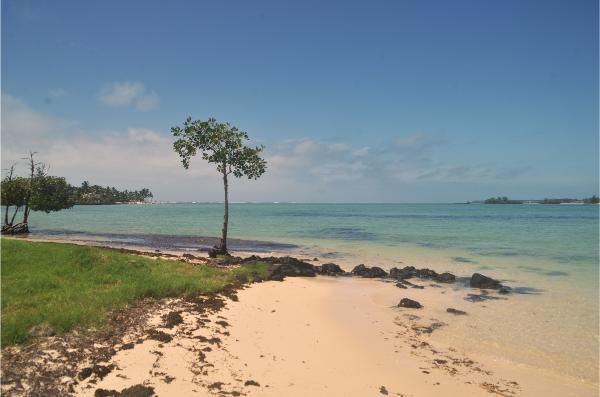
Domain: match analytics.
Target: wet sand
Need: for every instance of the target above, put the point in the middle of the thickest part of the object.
(319, 336)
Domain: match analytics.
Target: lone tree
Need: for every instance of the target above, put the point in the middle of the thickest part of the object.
(225, 146)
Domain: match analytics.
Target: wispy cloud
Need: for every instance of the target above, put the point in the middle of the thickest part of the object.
(128, 94)
(298, 170)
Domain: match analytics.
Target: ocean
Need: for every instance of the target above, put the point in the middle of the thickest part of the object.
(548, 254)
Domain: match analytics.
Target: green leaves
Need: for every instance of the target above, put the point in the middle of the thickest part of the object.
(14, 191)
(50, 193)
(221, 144)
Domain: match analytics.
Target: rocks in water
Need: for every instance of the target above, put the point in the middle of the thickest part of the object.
(504, 290)
(445, 278)
(19, 228)
(410, 272)
(330, 269)
(409, 303)
(401, 274)
(484, 282)
(456, 311)
(369, 272)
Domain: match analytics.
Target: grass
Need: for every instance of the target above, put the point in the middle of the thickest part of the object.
(67, 285)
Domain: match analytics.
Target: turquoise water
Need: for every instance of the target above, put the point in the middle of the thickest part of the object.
(561, 234)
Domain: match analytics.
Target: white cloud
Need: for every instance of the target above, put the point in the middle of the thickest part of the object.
(298, 170)
(128, 94)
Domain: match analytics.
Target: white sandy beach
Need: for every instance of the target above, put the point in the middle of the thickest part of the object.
(323, 336)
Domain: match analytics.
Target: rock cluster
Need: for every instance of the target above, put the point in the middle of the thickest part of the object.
(410, 272)
(19, 228)
(329, 269)
(369, 272)
(285, 266)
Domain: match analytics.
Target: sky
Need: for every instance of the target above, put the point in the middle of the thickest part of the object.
(373, 101)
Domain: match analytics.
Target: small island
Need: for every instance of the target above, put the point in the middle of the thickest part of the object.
(505, 200)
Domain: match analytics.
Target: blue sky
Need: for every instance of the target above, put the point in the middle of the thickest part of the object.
(399, 101)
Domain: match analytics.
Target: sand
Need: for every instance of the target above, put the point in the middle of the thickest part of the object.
(322, 336)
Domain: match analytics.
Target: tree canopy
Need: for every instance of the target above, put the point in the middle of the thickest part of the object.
(224, 145)
(220, 144)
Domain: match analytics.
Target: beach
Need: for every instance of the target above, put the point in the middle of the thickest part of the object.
(341, 336)
(345, 335)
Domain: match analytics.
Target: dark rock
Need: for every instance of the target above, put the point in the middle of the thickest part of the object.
(279, 272)
(137, 391)
(102, 370)
(19, 228)
(401, 274)
(216, 251)
(456, 311)
(369, 272)
(410, 272)
(251, 383)
(285, 266)
(172, 319)
(85, 373)
(359, 270)
(427, 273)
(446, 278)
(484, 282)
(409, 303)
(504, 290)
(383, 390)
(330, 269)
(400, 285)
(106, 393)
(128, 346)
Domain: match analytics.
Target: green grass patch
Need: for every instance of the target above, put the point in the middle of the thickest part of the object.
(68, 285)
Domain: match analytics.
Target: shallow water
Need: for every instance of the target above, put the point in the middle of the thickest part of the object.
(548, 253)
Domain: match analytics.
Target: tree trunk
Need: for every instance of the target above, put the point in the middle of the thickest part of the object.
(15, 214)
(6, 215)
(223, 247)
(32, 174)
(26, 213)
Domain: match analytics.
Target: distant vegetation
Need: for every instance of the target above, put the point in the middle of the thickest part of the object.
(506, 200)
(64, 285)
(95, 194)
(39, 191)
(502, 200)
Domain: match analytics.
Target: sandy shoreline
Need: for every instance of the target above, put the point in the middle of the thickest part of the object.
(322, 336)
